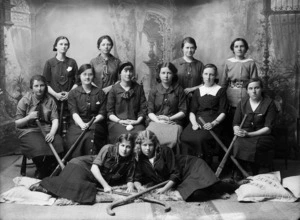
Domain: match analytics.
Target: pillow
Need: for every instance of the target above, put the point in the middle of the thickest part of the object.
(22, 195)
(293, 184)
(264, 187)
(25, 181)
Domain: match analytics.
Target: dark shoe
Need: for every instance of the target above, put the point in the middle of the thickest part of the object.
(37, 188)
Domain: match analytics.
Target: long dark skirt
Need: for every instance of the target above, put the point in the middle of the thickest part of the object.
(196, 174)
(253, 149)
(92, 141)
(33, 144)
(197, 142)
(76, 182)
(115, 130)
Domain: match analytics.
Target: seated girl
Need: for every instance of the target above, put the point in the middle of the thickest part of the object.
(126, 105)
(190, 175)
(78, 181)
(167, 107)
(87, 101)
(209, 102)
(255, 138)
(38, 104)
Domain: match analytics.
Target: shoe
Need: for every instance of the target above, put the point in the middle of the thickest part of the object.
(38, 188)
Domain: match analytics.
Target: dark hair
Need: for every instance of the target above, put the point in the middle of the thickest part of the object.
(239, 39)
(38, 78)
(171, 67)
(58, 39)
(189, 40)
(123, 65)
(103, 38)
(124, 137)
(256, 79)
(84, 67)
(212, 66)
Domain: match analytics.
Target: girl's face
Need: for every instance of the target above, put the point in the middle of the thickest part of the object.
(166, 75)
(62, 46)
(239, 49)
(86, 77)
(209, 76)
(148, 149)
(105, 46)
(188, 49)
(38, 88)
(254, 91)
(125, 148)
(126, 74)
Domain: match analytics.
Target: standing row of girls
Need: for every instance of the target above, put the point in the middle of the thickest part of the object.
(124, 109)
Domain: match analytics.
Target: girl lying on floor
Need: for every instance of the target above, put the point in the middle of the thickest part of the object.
(191, 176)
(78, 181)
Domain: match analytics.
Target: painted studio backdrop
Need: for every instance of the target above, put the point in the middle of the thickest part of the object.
(147, 32)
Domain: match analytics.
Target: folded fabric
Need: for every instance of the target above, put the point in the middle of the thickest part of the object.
(25, 181)
(292, 183)
(264, 187)
(22, 195)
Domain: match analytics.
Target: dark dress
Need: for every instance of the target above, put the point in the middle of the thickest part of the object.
(76, 181)
(254, 149)
(125, 105)
(106, 71)
(33, 142)
(189, 74)
(61, 76)
(87, 105)
(209, 107)
(189, 173)
(167, 102)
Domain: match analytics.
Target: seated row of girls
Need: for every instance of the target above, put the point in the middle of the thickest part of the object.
(136, 162)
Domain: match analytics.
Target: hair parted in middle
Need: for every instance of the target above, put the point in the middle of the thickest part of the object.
(171, 67)
(143, 136)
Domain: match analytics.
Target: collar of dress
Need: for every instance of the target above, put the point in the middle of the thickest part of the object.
(213, 90)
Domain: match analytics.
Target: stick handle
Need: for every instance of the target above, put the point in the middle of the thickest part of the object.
(73, 147)
(225, 149)
(167, 208)
(51, 146)
(61, 116)
(221, 166)
(132, 197)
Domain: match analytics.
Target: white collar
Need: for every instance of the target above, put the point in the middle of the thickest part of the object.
(234, 60)
(213, 90)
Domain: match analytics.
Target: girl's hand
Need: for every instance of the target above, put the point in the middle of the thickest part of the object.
(49, 137)
(64, 96)
(240, 132)
(124, 122)
(160, 190)
(196, 127)
(163, 117)
(130, 189)
(83, 126)
(32, 115)
(188, 90)
(108, 189)
(208, 126)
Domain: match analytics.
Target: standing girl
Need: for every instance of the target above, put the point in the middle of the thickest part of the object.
(60, 72)
(105, 65)
(237, 72)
